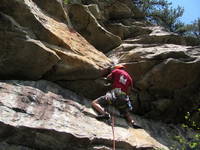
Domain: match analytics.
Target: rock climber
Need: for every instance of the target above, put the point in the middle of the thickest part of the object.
(122, 84)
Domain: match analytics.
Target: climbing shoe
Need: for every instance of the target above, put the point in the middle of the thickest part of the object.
(103, 117)
(136, 126)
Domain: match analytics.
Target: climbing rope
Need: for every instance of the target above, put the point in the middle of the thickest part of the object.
(113, 131)
(113, 128)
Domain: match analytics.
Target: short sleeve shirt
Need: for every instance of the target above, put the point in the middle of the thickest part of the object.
(121, 79)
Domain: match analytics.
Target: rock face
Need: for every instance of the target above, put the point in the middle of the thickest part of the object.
(36, 42)
(42, 115)
(165, 65)
(168, 76)
(93, 21)
(17, 52)
(87, 25)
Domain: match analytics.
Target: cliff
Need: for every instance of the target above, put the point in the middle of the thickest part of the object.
(52, 58)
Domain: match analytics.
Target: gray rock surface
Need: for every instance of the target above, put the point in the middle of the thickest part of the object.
(42, 115)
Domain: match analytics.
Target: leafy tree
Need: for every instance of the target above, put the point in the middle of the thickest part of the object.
(148, 6)
(168, 17)
(193, 142)
(161, 13)
(196, 28)
(193, 29)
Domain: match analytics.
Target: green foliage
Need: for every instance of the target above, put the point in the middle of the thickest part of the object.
(192, 143)
(161, 13)
(196, 29)
(149, 6)
(66, 1)
(193, 29)
(190, 122)
(168, 17)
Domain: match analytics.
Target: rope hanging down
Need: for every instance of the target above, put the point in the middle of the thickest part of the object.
(113, 131)
(113, 128)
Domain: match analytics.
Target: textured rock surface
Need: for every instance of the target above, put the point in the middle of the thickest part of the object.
(104, 31)
(37, 43)
(168, 76)
(17, 50)
(86, 24)
(160, 36)
(42, 115)
(116, 9)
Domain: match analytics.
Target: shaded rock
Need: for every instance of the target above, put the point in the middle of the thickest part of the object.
(21, 56)
(118, 10)
(192, 41)
(42, 115)
(126, 31)
(136, 13)
(119, 30)
(85, 23)
(94, 9)
(50, 7)
(6, 146)
(91, 89)
(160, 36)
(166, 39)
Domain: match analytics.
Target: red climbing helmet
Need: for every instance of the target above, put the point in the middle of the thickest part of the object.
(119, 66)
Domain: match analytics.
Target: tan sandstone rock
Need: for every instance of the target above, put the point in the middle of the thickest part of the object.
(86, 24)
(58, 51)
(163, 72)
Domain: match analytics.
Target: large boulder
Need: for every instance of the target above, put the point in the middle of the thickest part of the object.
(136, 12)
(37, 43)
(119, 10)
(42, 115)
